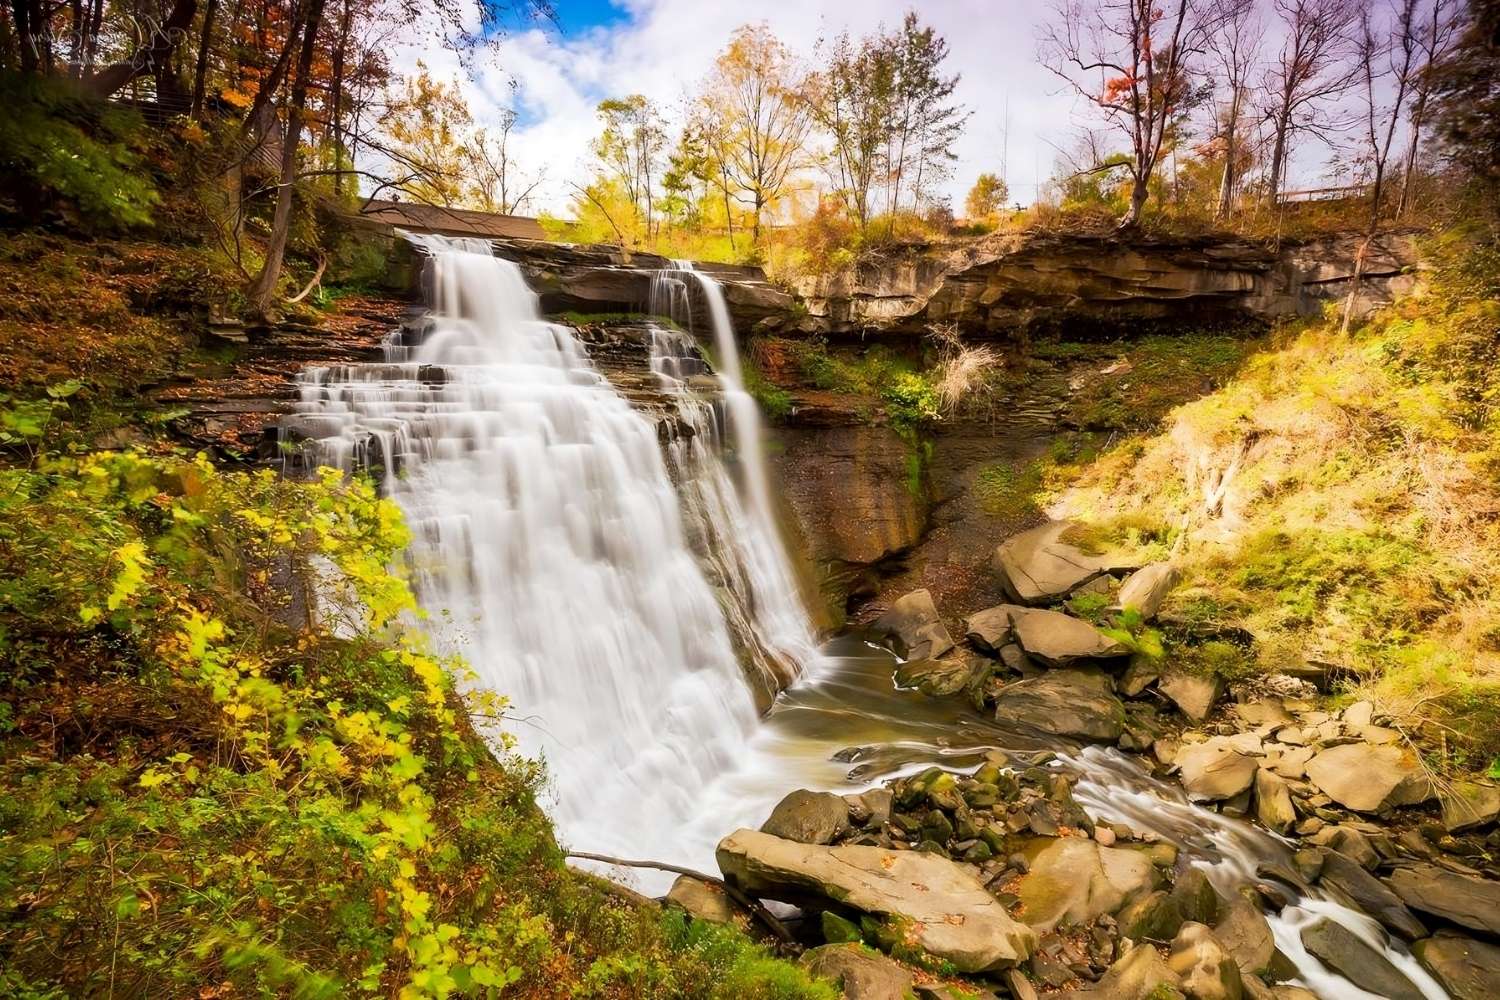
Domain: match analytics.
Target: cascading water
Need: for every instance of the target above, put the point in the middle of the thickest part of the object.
(568, 567)
(549, 546)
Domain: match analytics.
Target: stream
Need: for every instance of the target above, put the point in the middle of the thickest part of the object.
(618, 591)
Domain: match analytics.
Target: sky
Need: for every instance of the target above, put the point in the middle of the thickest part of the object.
(663, 48)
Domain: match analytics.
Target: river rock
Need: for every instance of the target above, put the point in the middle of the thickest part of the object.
(1369, 778)
(1273, 802)
(1194, 694)
(861, 973)
(916, 628)
(1461, 899)
(1212, 771)
(701, 900)
(1196, 897)
(1035, 567)
(1245, 933)
(1062, 707)
(1140, 974)
(989, 630)
(1467, 969)
(1057, 639)
(952, 917)
(809, 817)
(1153, 917)
(1076, 880)
(1205, 969)
(938, 678)
(1370, 894)
(1350, 842)
(1146, 588)
(1346, 953)
(1467, 804)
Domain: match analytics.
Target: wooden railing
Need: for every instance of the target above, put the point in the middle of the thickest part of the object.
(1348, 192)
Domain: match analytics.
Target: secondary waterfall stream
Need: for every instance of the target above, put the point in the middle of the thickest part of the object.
(615, 589)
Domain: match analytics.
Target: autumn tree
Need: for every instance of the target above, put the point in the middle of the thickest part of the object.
(1306, 74)
(495, 182)
(986, 197)
(1465, 84)
(1134, 63)
(851, 101)
(925, 120)
(757, 90)
(629, 149)
(1234, 44)
(1436, 30)
(429, 128)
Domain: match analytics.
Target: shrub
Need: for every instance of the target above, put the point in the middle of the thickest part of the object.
(58, 145)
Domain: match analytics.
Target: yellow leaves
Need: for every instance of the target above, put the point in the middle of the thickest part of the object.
(154, 777)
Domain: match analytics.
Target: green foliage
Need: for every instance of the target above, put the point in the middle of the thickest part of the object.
(1009, 490)
(204, 791)
(911, 402)
(775, 401)
(58, 144)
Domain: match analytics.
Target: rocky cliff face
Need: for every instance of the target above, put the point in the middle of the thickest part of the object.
(1020, 282)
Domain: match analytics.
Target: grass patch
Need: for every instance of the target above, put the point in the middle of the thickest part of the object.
(1339, 498)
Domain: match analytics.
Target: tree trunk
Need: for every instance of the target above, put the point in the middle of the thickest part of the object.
(1278, 157)
(1226, 186)
(1138, 194)
(205, 44)
(1410, 168)
(336, 100)
(21, 12)
(154, 57)
(263, 289)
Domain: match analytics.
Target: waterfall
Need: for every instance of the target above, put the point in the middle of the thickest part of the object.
(551, 547)
(766, 581)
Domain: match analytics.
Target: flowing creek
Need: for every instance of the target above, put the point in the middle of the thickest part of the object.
(616, 591)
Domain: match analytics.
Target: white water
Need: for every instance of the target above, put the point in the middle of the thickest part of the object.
(549, 548)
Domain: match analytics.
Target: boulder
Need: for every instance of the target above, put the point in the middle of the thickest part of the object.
(1369, 778)
(1061, 707)
(949, 913)
(808, 817)
(1075, 880)
(1273, 802)
(989, 630)
(1467, 969)
(1057, 639)
(1204, 968)
(861, 973)
(1461, 899)
(1146, 588)
(938, 678)
(1347, 954)
(1141, 674)
(1245, 933)
(1467, 804)
(1140, 974)
(1212, 771)
(1196, 897)
(1036, 567)
(701, 900)
(1350, 842)
(915, 627)
(1194, 694)
(1370, 894)
(1153, 917)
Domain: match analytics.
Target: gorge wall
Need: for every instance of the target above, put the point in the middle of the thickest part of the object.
(1002, 284)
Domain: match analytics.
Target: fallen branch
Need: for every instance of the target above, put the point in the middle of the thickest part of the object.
(756, 908)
